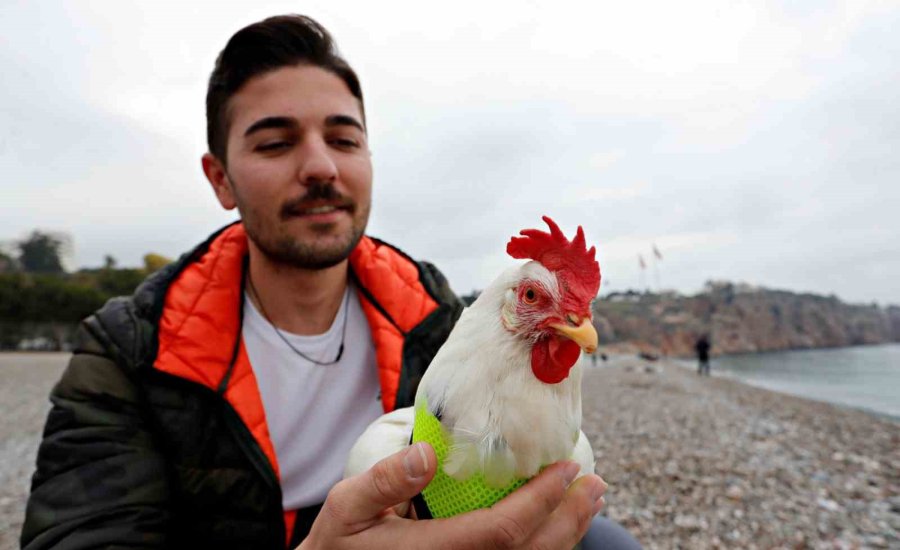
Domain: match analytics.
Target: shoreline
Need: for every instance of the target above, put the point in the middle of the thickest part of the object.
(788, 350)
(690, 364)
(728, 375)
(846, 406)
(632, 348)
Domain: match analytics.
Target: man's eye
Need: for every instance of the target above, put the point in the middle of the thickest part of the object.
(272, 146)
(344, 142)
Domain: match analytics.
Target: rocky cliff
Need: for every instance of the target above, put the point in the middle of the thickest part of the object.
(739, 319)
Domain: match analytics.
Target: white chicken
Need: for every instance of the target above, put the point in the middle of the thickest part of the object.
(502, 397)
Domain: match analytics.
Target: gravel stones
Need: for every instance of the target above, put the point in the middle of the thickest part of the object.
(25, 382)
(709, 462)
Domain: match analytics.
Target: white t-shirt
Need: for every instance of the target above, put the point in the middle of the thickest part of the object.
(314, 413)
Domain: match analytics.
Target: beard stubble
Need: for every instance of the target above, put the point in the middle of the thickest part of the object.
(308, 251)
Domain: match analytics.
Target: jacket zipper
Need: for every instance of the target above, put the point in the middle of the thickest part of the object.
(250, 446)
(253, 451)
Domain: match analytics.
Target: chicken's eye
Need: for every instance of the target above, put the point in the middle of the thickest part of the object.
(530, 296)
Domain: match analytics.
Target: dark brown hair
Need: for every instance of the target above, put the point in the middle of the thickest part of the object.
(276, 42)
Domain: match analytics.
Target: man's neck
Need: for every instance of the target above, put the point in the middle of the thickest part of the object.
(296, 300)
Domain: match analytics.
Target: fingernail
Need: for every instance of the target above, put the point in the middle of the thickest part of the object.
(597, 495)
(416, 461)
(597, 491)
(570, 472)
(605, 484)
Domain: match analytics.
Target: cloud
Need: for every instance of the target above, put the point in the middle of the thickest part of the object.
(592, 193)
(753, 142)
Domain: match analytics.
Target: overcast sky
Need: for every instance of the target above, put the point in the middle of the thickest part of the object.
(755, 142)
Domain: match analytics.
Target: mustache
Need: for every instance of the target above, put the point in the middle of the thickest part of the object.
(318, 194)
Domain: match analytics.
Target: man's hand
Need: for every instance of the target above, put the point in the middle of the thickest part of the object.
(361, 512)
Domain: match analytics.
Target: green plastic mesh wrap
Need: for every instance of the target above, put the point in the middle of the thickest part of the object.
(446, 496)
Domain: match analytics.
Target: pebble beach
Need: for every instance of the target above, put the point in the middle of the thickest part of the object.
(709, 462)
(25, 383)
(691, 462)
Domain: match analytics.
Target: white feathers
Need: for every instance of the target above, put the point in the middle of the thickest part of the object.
(384, 437)
(584, 455)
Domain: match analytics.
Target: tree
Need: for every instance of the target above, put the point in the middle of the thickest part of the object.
(41, 253)
(7, 263)
(155, 262)
(109, 262)
(46, 299)
(119, 282)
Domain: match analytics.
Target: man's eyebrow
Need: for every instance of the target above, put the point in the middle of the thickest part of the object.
(271, 122)
(344, 120)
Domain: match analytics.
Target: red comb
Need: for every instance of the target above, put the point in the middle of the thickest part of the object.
(571, 260)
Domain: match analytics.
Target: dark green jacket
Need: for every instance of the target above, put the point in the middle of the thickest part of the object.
(156, 439)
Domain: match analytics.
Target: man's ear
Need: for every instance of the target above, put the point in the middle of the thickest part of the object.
(218, 178)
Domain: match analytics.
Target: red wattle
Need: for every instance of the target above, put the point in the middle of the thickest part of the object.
(552, 358)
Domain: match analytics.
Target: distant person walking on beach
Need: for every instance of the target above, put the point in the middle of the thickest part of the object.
(702, 346)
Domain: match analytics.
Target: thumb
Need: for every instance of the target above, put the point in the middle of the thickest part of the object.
(394, 480)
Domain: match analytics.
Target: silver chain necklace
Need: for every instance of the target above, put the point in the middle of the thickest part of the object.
(265, 315)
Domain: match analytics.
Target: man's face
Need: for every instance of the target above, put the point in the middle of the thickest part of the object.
(299, 169)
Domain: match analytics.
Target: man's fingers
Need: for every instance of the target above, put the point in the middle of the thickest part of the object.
(529, 516)
(571, 520)
(358, 501)
(403, 509)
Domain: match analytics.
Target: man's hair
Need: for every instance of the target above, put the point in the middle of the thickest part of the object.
(276, 42)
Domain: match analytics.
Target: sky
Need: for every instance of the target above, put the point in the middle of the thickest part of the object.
(755, 142)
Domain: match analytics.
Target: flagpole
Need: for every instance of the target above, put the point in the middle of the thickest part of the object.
(657, 257)
(642, 280)
(655, 274)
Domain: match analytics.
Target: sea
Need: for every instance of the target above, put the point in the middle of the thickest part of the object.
(863, 377)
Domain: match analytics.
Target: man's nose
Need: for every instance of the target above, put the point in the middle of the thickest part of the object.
(316, 163)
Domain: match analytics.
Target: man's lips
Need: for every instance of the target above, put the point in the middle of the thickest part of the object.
(316, 209)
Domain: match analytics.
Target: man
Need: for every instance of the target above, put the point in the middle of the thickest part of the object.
(215, 407)
(702, 348)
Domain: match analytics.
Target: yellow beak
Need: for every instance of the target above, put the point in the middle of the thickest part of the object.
(584, 334)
